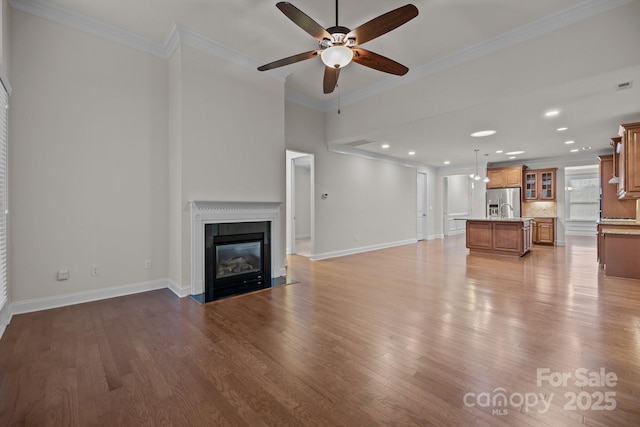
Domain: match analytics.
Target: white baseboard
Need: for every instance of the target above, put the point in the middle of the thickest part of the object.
(590, 233)
(180, 291)
(361, 249)
(5, 317)
(435, 236)
(38, 304)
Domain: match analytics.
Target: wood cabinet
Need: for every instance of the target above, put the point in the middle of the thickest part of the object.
(540, 184)
(504, 237)
(610, 205)
(628, 150)
(622, 250)
(613, 227)
(544, 230)
(505, 177)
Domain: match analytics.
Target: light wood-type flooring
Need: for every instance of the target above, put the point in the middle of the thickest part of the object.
(416, 335)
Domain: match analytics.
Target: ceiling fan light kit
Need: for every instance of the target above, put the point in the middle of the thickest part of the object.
(338, 45)
(337, 56)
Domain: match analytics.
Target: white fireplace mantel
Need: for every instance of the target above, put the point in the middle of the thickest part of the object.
(204, 212)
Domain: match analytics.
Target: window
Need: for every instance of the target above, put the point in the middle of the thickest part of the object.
(4, 105)
(583, 197)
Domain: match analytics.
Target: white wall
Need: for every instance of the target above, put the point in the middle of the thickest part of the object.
(88, 157)
(369, 202)
(303, 202)
(477, 82)
(5, 10)
(228, 141)
(459, 194)
(122, 141)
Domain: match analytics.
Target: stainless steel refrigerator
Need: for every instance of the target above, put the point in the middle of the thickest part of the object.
(503, 203)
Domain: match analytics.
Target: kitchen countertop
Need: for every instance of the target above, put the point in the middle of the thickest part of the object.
(500, 219)
(618, 221)
(622, 232)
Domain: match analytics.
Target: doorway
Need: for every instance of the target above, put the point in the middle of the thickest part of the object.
(456, 203)
(421, 220)
(300, 206)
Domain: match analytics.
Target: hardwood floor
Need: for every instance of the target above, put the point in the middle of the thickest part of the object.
(415, 335)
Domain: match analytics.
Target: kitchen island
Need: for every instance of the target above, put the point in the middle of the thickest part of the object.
(618, 247)
(501, 236)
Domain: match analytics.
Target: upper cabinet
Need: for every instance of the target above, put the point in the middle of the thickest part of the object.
(540, 184)
(505, 177)
(610, 205)
(628, 151)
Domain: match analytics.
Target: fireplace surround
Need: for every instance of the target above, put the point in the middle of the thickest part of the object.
(237, 258)
(230, 216)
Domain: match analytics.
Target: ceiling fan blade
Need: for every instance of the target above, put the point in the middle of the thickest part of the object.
(378, 62)
(303, 21)
(330, 79)
(289, 60)
(383, 24)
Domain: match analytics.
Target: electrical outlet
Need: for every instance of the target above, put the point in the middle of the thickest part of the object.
(147, 264)
(95, 270)
(63, 274)
(355, 238)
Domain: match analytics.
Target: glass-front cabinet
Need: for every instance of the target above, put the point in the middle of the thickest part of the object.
(547, 185)
(540, 184)
(531, 186)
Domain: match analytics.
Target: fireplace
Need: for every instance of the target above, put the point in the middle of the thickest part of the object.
(225, 219)
(237, 258)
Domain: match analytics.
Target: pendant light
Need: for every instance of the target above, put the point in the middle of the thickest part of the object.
(476, 177)
(486, 177)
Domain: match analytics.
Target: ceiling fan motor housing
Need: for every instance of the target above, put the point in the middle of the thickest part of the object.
(338, 37)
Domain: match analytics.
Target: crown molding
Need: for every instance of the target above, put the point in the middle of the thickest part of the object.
(345, 149)
(89, 25)
(568, 16)
(306, 101)
(179, 34)
(176, 34)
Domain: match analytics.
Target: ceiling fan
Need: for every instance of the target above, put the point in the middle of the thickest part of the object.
(340, 45)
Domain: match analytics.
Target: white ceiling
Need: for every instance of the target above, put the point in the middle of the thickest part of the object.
(446, 34)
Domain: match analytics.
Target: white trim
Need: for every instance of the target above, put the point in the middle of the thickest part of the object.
(340, 147)
(571, 15)
(220, 50)
(180, 291)
(78, 21)
(5, 81)
(171, 41)
(5, 317)
(435, 236)
(46, 303)
(204, 212)
(361, 249)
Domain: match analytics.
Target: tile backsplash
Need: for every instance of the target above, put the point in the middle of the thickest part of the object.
(539, 209)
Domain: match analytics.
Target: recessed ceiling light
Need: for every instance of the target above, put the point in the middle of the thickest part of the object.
(586, 148)
(514, 153)
(551, 113)
(385, 145)
(446, 162)
(575, 150)
(411, 153)
(482, 133)
(561, 129)
(499, 152)
(512, 157)
(569, 142)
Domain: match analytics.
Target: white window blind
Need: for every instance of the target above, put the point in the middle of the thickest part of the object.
(4, 107)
